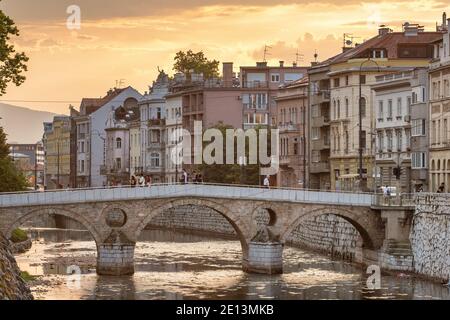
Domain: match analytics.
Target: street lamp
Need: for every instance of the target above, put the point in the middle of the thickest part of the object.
(177, 115)
(361, 151)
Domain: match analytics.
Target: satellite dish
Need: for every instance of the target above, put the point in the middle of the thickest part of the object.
(348, 42)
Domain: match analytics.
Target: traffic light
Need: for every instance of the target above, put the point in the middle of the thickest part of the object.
(397, 171)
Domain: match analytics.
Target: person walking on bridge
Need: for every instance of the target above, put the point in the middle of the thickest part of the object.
(267, 182)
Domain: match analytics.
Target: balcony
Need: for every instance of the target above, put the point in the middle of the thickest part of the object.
(255, 84)
(249, 106)
(320, 121)
(288, 127)
(319, 167)
(320, 144)
(156, 122)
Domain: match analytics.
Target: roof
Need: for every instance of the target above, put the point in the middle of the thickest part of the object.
(90, 105)
(388, 41)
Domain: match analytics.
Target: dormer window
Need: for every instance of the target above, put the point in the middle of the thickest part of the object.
(378, 54)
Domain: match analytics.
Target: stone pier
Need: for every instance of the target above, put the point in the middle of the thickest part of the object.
(115, 259)
(265, 258)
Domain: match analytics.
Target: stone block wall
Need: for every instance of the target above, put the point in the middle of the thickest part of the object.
(194, 218)
(430, 236)
(328, 234)
(265, 258)
(115, 259)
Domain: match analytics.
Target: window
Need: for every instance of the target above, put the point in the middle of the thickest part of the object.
(389, 140)
(155, 136)
(118, 143)
(275, 77)
(399, 108)
(408, 106)
(399, 140)
(418, 127)
(336, 82)
(154, 160)
(346, 80)
(389, 117)
(346, 107)
(378, 53)
(363, 139)
(380, 110)
(380, 141)
(118, 163)
(362, 79)
(338, 109)
(363, 107)
(315, 133)
(418, 160)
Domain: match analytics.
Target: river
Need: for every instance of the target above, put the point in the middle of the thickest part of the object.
(173, 265)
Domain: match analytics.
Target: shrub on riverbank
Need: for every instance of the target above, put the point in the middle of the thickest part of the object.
(19, 235)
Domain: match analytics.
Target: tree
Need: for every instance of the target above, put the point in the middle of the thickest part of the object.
(11, 179)
(229, 173)
(187, 62)
(12, 63)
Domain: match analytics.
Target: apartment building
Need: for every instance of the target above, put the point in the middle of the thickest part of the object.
(396, 125)
(319, 126)
(117, 168)
(57, 153)
(260, 85)
(352, 74)
(90, 135)
(439, 106)
(153, 128)
(174, 118)
(292, 106)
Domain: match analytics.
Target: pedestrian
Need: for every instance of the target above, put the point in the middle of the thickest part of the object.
(142, 181)
(133, 181)
(200, 178)
(185, 176)
(441, 188)
(148, 181)
(266, 182)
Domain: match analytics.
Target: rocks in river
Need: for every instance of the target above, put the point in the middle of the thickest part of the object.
(12, 286)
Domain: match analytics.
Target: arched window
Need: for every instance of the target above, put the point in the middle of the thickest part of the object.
(154, 160)
(363, 107)
(118, 143)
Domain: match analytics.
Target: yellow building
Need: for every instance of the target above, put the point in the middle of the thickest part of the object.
(439, 83)
(57, 153)
(356, 69)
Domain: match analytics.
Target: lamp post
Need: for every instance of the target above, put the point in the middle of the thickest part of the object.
(361, 149)
(177, 115)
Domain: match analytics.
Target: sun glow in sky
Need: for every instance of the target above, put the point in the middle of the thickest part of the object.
(130, 39)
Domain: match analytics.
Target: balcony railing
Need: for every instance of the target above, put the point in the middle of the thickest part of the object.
(156, 122)
(255, 84)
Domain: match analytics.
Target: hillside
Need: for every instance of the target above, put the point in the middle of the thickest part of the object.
(23, 125)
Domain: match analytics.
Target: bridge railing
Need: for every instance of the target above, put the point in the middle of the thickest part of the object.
(401, 200)
(177, 190)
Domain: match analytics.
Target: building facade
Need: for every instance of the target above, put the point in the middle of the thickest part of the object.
(57, 153)
(439, 108)
(292, 105)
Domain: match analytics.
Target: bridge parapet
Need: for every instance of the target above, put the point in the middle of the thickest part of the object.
(188, 190)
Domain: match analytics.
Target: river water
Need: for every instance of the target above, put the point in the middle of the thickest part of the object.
(172, 265)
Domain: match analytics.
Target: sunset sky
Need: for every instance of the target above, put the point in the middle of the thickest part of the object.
(130, 39)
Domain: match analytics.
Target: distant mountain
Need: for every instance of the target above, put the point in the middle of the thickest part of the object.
(23, 125)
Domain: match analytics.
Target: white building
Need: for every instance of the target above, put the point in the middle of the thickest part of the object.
(174, 121)
(153, 112)
(91, 122)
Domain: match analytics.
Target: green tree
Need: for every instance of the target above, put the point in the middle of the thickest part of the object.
(229, 173)
(12, 63)
(189, 61)
(11, 179)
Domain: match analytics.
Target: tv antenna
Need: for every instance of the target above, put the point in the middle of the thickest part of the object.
(120, 83)
(266, 52)
(298, 57)
(316, 55)
(348, 40)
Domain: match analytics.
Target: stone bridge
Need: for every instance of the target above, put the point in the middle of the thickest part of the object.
(115, 217)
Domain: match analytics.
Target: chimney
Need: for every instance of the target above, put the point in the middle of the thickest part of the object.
(261, 64)
(294, 64)
(383, 30)
(444, 19)
(281, 64)
(227, 74)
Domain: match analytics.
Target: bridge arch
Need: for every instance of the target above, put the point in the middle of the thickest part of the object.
(60, 211)
(364, 228)
(238, 225)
